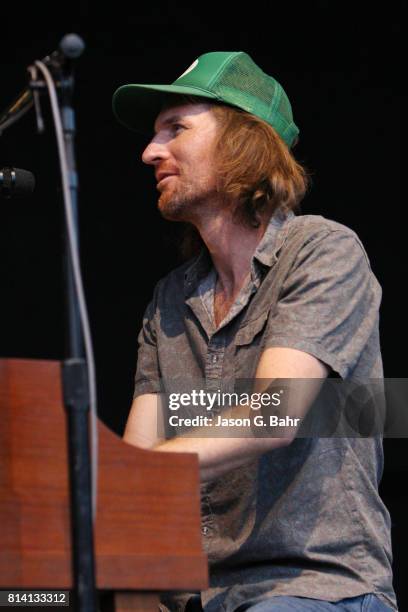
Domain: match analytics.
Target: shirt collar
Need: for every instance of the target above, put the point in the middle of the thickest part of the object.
(272, 239)
(197, 270)
(265, 253)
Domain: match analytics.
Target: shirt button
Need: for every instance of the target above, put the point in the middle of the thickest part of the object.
(205, 530)
(215, 358)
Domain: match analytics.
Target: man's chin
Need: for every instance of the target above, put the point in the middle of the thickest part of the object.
(172, 210)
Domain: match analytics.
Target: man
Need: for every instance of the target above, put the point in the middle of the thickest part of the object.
(289, 523)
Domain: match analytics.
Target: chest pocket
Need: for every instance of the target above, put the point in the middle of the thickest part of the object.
(248, 346)
(249, 338)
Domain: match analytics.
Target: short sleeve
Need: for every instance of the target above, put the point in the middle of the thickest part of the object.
(329, 303)
(147, 377)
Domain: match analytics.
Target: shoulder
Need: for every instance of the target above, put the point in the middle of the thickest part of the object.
(177, 276)
(325, 251)
(171, 287)
(318, 232)
(315, 224)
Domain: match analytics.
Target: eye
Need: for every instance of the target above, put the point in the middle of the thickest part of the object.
(176, 126)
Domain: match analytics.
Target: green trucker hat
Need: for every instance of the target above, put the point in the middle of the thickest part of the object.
(231, 77)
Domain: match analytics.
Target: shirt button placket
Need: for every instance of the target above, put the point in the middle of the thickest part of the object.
(214, 360)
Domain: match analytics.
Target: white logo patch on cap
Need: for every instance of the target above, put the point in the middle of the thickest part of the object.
(193, 65)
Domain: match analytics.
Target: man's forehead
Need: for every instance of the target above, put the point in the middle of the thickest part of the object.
(175, 112)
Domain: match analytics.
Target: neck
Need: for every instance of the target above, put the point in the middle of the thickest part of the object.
(231, 247)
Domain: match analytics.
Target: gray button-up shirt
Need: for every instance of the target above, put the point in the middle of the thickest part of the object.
(304, 520)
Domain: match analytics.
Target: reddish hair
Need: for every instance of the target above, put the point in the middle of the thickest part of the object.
(256, 169)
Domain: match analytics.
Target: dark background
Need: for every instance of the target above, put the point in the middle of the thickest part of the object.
(340, 64)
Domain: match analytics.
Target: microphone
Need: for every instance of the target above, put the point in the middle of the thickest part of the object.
(16, 182)
(71, 47)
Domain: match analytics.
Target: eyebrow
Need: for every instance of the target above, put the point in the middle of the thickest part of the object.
(169, 120)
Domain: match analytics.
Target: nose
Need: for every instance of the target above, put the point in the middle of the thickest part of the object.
(154, 152)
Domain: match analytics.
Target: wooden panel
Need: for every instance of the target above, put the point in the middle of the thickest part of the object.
(34, 506)
(147, 532)
(135, 602)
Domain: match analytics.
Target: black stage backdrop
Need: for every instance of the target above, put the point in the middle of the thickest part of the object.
(340, 64)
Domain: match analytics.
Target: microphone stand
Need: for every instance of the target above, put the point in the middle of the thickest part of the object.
(74, 370)
(77, 397)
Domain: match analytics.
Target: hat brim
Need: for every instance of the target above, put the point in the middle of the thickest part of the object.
(137, 106)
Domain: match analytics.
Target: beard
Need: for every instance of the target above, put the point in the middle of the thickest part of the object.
(181, 202)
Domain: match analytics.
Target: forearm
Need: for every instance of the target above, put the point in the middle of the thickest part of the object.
(217, 456)
(221, 449)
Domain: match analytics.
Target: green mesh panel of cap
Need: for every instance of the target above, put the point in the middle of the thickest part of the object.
(284, 109)
(245, 85)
